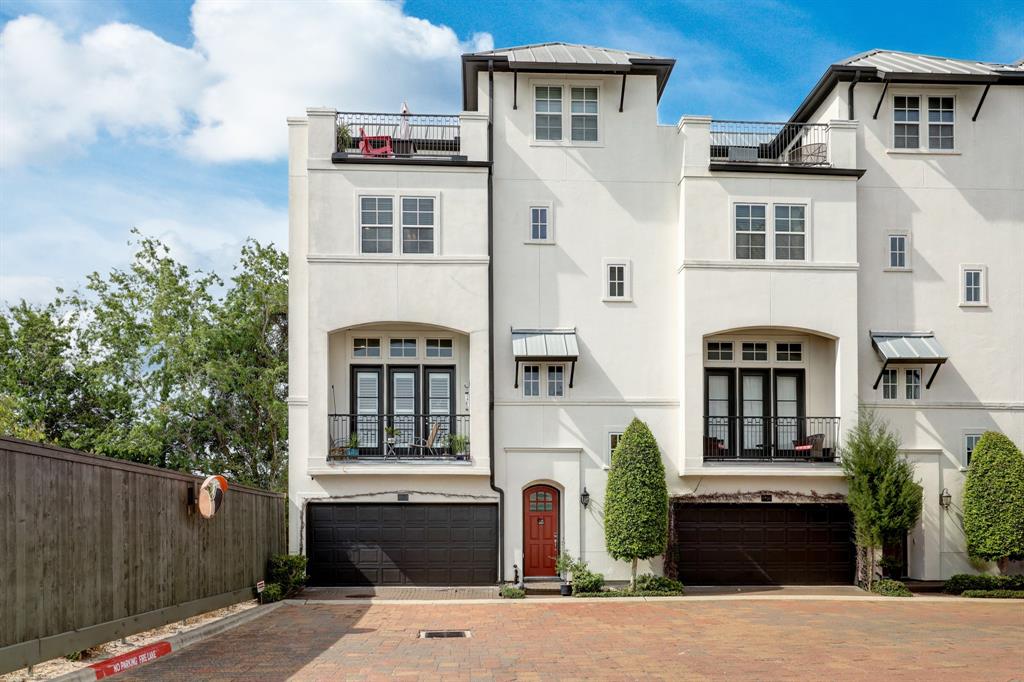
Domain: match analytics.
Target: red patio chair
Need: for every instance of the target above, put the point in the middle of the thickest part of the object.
(367, 142)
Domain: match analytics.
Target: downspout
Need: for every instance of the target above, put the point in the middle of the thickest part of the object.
(490, 314)
(849, 95)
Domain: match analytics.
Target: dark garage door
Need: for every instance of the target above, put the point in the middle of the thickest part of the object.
(756, 544)
(402, 544)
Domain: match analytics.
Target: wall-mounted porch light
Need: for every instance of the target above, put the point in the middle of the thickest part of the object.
(945, 498)
(585, 498)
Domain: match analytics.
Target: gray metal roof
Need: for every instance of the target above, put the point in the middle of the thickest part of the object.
(565, 53)
(889, 61)
(545, 343)
(907, 347)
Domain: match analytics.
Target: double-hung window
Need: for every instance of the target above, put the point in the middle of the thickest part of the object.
(540, 224)
(941, 112)
(898, 252)
(583, 113)
(890, 390)
(531, 381)
(547, 107)
(556, 381)
(376, 220)
(750, 231)
(789, 232)
(418, 224)
(906, 116)
(913, 384)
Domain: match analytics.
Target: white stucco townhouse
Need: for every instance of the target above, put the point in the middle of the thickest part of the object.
(480, 303)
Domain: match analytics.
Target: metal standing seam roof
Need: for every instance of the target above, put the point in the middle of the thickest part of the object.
(545, 343)
(565, 53)
(888, 61)
(896, 347)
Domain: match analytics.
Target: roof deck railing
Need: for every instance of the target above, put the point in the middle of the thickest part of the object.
(763, 142)
(398, 135)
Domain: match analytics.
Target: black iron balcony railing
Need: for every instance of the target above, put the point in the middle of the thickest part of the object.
(771, 439)
(398, 135)
(757, 142)
(399, 436)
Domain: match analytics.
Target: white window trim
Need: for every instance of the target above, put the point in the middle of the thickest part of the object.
(909, 267)
(737, 342)
(922, 132)
(719, 340)
(541, 373)
(805, 234)
(543, 386)
(901, 384)
(961, 286)
(420, 349)
(529, 222)
(437, 358)
(565, 381)
(627, 289)
(769, 203)
(610, 431)
(365, 358)
(881, 386)
(963, 444)
(787, 363)
(566, 86)
(397, 250)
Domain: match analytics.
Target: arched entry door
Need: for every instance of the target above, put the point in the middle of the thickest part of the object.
(540, 530)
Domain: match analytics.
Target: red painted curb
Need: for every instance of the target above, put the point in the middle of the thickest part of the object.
(130, 660)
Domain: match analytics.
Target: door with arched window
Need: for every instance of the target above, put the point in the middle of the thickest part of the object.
(540, 530)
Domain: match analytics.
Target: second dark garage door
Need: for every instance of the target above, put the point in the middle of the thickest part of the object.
(756, 544)
(402, 544)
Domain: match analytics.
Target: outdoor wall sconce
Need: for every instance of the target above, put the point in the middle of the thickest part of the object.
(945, 499)
(585, 498)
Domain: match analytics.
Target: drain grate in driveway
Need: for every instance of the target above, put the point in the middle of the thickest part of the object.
(444, 634)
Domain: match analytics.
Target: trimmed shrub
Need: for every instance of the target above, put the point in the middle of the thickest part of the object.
(288, 571)
(628, 593)
(657, 583)
(636, 498)
(962, 582)
(994, 500)
(587, 581)
(512, 592)
(891, 588)
(994, 594)
(272, 592)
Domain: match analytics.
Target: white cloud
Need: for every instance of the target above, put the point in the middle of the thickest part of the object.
(225, 98)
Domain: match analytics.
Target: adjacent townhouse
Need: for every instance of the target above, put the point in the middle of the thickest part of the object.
(481, 302)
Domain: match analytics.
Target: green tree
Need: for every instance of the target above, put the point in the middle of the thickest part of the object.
(636, 499)
(994, 500)
(883, 496)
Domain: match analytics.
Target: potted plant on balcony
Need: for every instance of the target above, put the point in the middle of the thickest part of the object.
(458, 445)
(344, 137)
(353, 444)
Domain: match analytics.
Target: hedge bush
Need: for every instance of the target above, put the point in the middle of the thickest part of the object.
(994, 500)
(994, 594)
(587, 581)
(891, 588)
(657, 583)
(288, 571)
(962, 582)
(512, 592)
(636, 498)
(271, 592)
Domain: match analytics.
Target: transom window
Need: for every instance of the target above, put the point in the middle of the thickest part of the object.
(541, 501)
(583, 110)
(548, 112)
(376, 224)
(719, 350)
(972, 286)
(970, 442)
(897, 250)
(750, 231)
(556, 381)
(439, 348)
(755, 351)
(789, 352)
(789, 232)
(366, 348)
(539, 223)
(890, 389)
(417, 225)
(403, 348)
(913, 384)
(531, 380)
(941, 112)
(906, 116)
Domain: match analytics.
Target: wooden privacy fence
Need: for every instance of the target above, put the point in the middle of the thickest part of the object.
(93, 548)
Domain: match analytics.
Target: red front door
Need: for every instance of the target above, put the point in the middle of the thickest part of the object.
(540, 530)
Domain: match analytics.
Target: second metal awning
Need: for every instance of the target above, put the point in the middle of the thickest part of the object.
(545, 345)
(908, 348)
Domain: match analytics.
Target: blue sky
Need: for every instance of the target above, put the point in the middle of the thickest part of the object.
(169, 115)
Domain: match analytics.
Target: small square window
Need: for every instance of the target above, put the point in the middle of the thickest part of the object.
(366, 348)
(913, 384)
(540, 228)
(789, 352)
(755, 352)
(531, 380)
(439, 348)
(970, 442)
(890, 390)
(719, 350)
(403, 348)
(556, 381)
(898, 251)
(750, 231)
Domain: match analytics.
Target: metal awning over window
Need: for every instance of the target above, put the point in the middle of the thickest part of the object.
(545, 345)
(908, 348)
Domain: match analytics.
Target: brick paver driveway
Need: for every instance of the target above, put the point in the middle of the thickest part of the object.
(738, 639)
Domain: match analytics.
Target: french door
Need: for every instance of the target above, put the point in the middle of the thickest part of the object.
(368, 404)
(719, 408)
(789, 408)
(439, 401)
(753, 413)
(755, 407)
(403, 389)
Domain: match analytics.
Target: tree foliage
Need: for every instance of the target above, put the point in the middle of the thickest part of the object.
(148, 364)
(883, 495)
(994, 500)
(636, 499)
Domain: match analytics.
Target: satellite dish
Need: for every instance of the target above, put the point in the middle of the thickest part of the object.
(211, 495)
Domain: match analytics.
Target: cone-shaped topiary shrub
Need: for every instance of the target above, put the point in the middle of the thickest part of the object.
(994, 500)
(636, 501)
